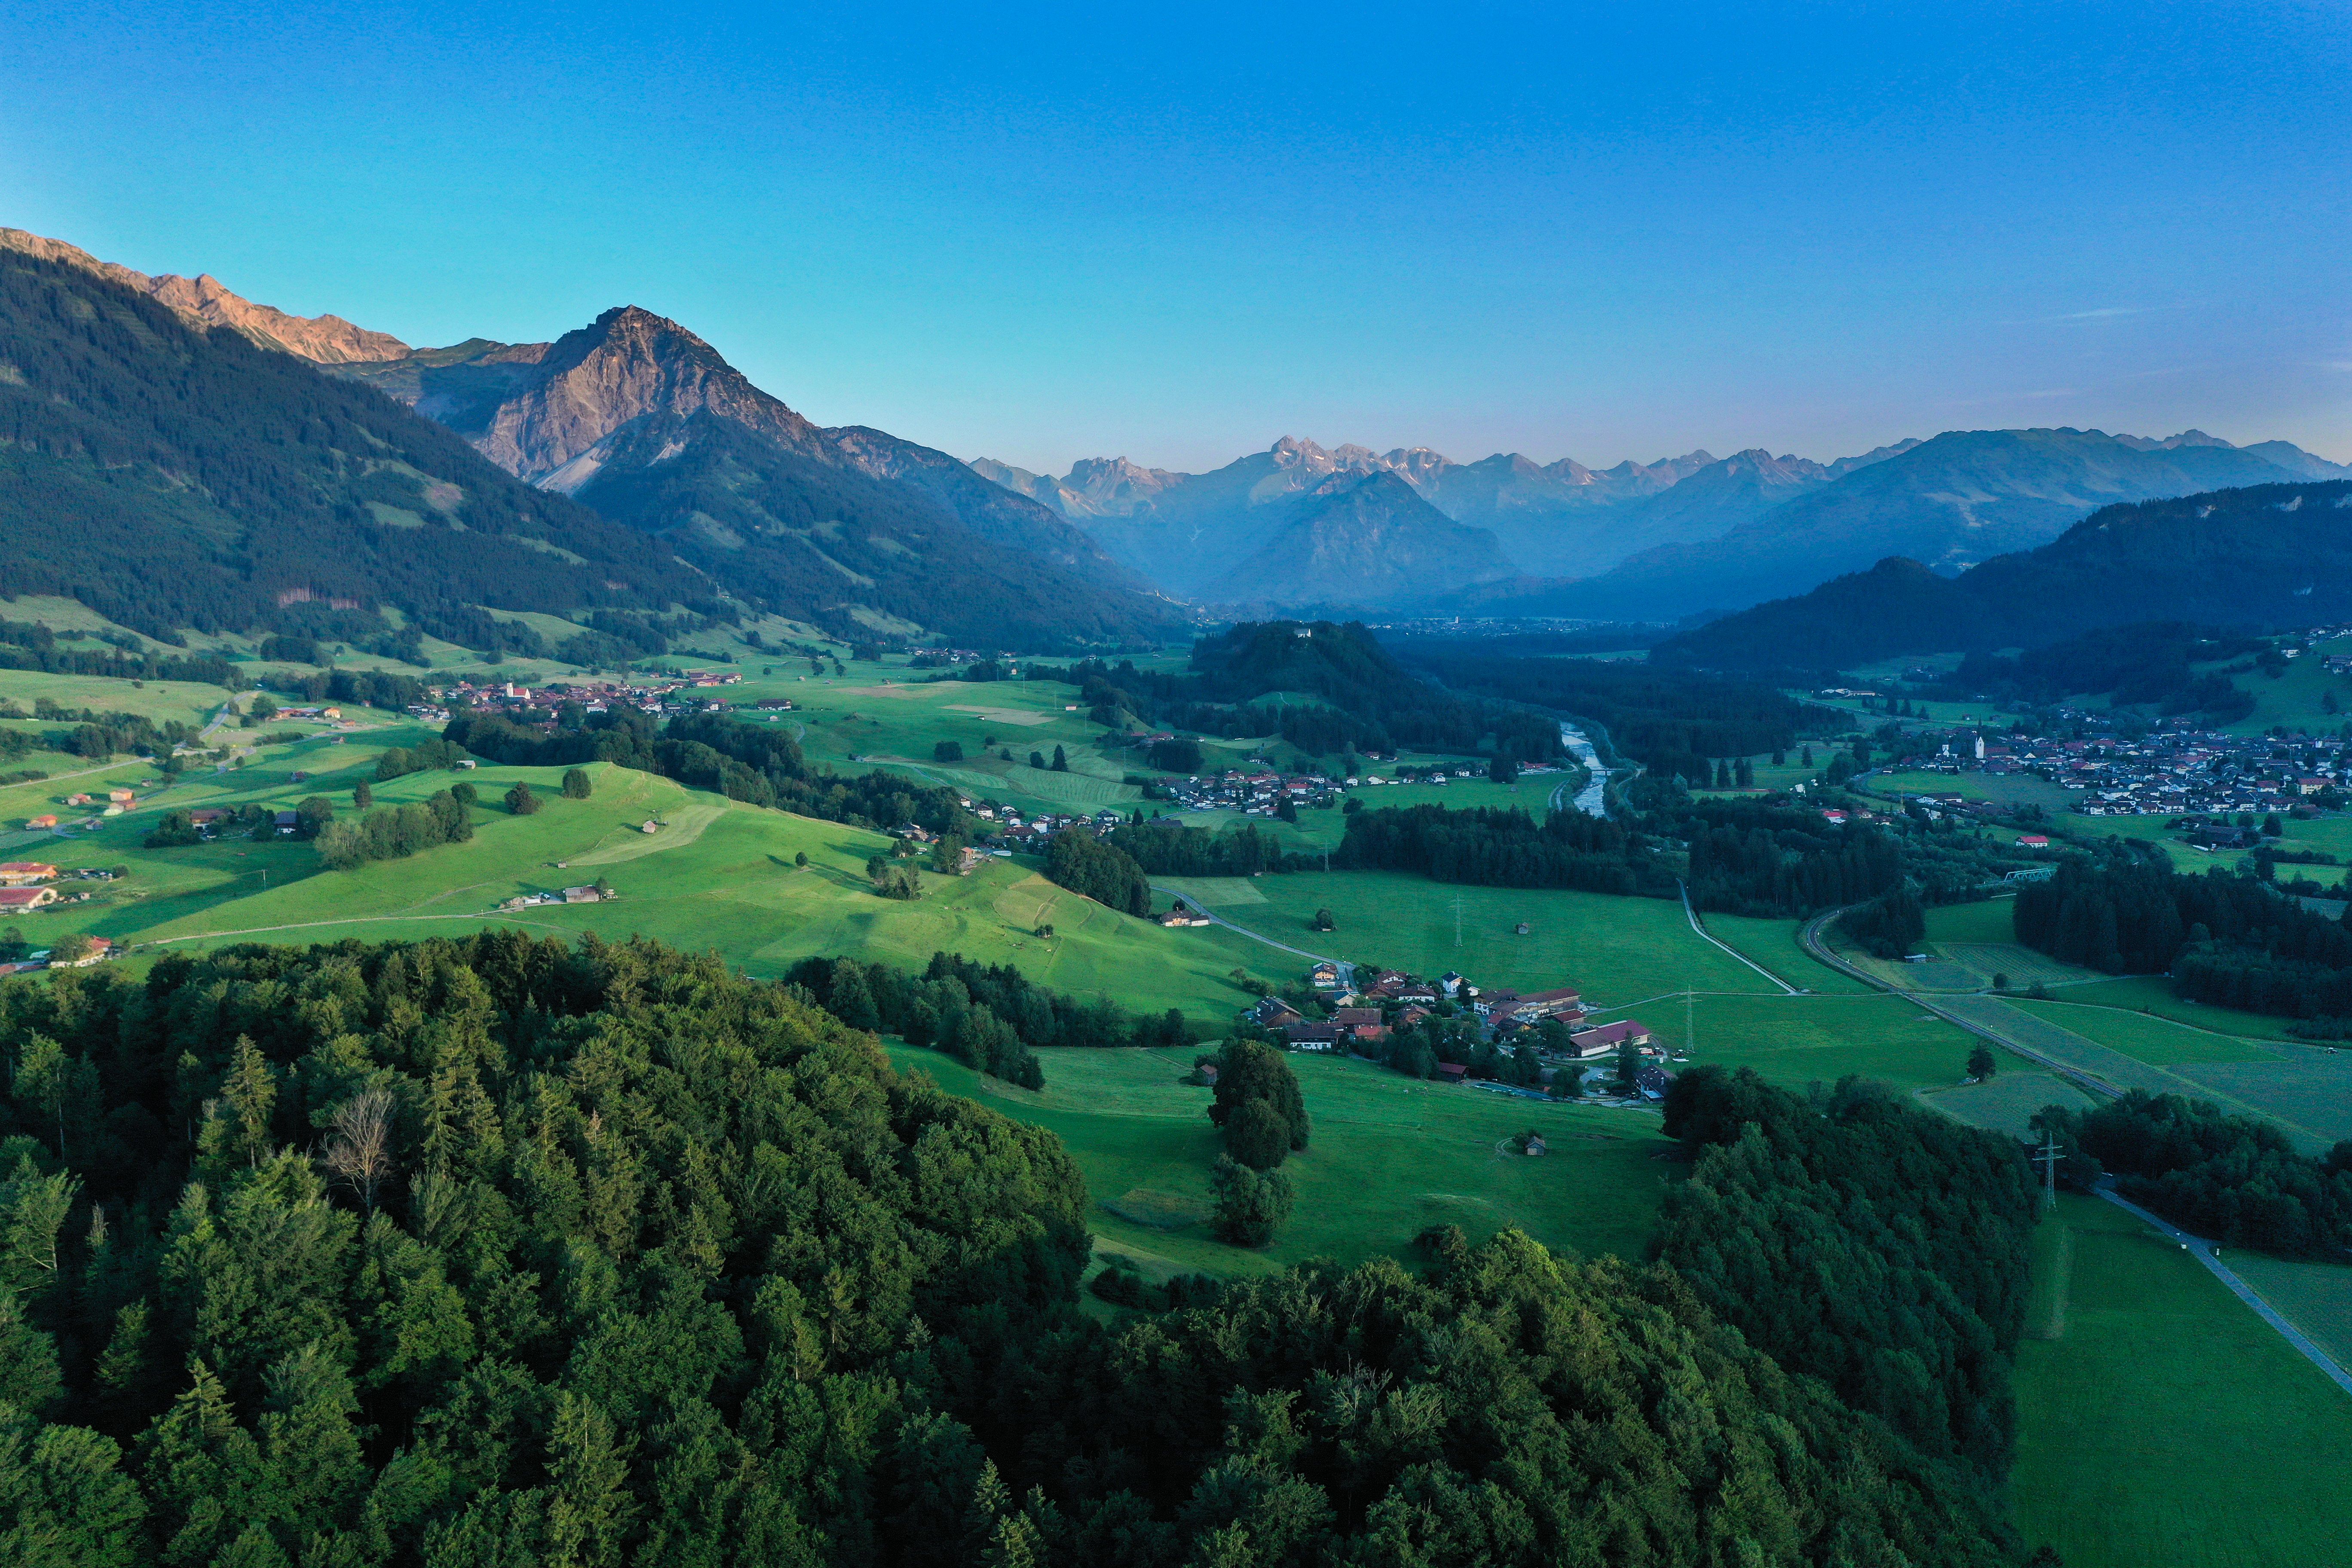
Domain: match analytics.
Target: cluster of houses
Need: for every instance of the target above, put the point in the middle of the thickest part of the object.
(91, 807)
(667, 695)
(1366, 1009)
(1261, 791)
(29, 885)
(2170, 773)
(1011, 829)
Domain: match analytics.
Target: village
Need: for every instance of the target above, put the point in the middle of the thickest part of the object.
(659, 696)
(2174, 772)
(1364, 1012)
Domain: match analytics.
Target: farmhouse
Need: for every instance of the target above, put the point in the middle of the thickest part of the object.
(1527, 1008)
(1273, 1013)
(47, 819)
(1179, 916)
(100, 948)
(25, 873)
(14, 898)
(1607, 1039)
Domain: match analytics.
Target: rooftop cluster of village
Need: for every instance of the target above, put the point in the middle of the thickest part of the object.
(2173, 773)
(1362, 1012)
(658, 695)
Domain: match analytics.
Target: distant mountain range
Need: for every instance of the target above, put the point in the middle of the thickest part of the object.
(2265, 555)
(1292, 525)
(644, 424)
(1659, 540)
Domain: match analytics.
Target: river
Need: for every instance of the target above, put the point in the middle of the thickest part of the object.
(1593, 798)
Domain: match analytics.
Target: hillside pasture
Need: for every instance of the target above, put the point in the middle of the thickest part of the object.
(2166, 1423)
(1389, 1157)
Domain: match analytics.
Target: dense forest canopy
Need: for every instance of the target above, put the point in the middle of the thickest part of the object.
(1739, 856)
(1864, 1240)
(2225, 938)
(1672, 721)
(1328, 690)
(492, 1252)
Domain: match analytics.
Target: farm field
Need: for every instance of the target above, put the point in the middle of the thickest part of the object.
(1795, 1041)
(190, 702)
(2310, 1096)
(2001, 789)
(2315, 1297)
(721, 876)
(2167, 1423)
(2158, 1041)
(1616, 950)
(2153, 993)
(2292, 700)
(1388, 1158)
(1773, 944)
(2007, 1103)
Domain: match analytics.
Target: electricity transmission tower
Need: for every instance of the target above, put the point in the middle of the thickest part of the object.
(2047, 1158)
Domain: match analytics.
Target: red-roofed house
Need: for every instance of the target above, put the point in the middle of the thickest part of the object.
(14, 898)
(25, 873)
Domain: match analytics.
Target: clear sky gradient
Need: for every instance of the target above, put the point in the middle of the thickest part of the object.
(1176, 233)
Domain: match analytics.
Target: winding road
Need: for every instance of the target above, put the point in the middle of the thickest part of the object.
(1810, 936)
(1193, 901)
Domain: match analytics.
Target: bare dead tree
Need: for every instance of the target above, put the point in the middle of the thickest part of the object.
(359, 1150)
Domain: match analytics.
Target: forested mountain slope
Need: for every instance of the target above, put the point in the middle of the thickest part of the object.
(489, 1252)
(170, 475)
(2265, 555)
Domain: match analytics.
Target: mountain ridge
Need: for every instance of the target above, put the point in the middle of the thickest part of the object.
(2251, 556)
(206, 300)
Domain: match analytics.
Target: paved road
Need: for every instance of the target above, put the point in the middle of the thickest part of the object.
(2002, 1029)
(1691, 915)
(1215, 918)
(2203, 1250)
(1987, 1025)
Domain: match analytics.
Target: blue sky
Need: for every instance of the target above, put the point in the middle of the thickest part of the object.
(1041, 234)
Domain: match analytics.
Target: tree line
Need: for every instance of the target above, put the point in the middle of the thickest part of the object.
(755, 762)
(2230, 939)
(1094, 869)
(1920, 1222)
(2238, 1180)
(1365, 701)
(991, 1017)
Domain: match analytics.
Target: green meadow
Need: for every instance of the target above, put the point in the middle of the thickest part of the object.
(1388, 1158)
(1616, 951)
(2165, 1422)
(718, 875)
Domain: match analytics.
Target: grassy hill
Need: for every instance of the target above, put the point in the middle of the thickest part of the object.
(1388, 1158)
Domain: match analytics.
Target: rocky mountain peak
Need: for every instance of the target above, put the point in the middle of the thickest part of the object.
(205, 300)
(629, 363)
